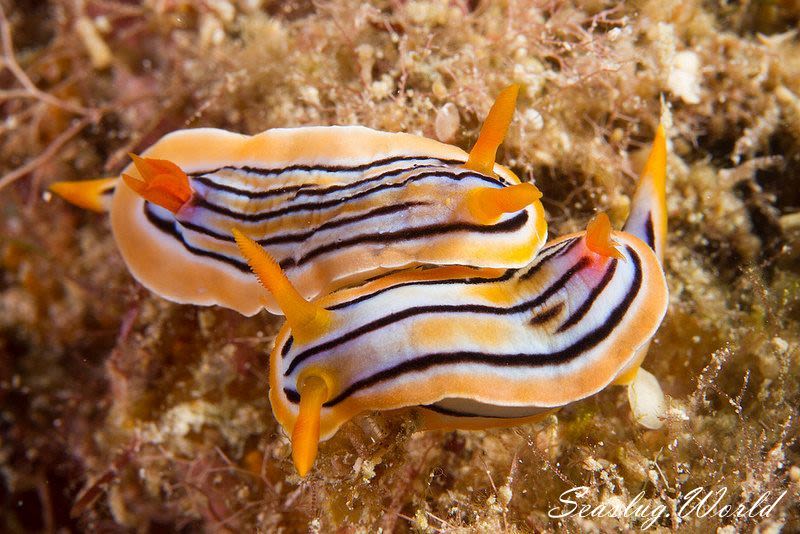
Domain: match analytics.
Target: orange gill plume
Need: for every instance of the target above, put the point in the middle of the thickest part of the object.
(162, 183)
(598, 237)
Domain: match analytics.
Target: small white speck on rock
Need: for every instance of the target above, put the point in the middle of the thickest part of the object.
(647, 400)
(447, 122)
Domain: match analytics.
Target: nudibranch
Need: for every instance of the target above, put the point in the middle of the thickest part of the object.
(333, 205)
(471, 348)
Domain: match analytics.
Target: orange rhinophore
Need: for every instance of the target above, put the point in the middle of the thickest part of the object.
(313, 392)
(487, 204)
(308, 320)
(482, 156)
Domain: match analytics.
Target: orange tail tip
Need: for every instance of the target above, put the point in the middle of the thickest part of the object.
(305, 437)
(94, 195)
(482, 156)
(598, 237)
(656, 166)
(308, 320)
(648, 216)
(486, 204)
(162, 183)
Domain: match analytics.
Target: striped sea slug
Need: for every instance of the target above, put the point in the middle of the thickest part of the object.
(471, 348)
(333, 205)
(407, 270)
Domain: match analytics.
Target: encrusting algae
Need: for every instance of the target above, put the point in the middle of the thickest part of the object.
(123, 411)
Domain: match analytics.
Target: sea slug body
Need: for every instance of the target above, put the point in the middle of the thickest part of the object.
(411, 274)
(334, 205)
(473, 348)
